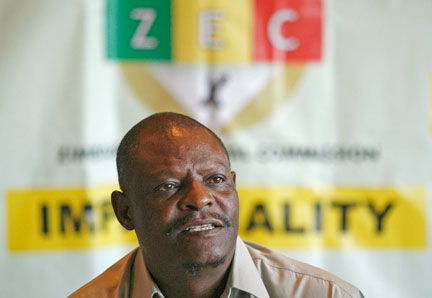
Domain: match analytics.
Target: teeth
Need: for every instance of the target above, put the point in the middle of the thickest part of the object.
(200, 228)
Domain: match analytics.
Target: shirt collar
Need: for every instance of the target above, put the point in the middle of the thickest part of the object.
(146, 287)
(244, 275)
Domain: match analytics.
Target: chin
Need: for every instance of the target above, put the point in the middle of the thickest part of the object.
(195, 267)
(214, 254)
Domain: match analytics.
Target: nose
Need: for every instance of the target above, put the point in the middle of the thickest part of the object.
(196, 197)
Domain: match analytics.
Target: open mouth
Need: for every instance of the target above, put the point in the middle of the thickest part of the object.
(203, 227)
(199, 228)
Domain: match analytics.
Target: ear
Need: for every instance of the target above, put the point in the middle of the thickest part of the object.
(233, 175)
(122, 209)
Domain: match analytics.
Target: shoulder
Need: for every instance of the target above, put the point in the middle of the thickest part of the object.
(109, 283)
(284, 276)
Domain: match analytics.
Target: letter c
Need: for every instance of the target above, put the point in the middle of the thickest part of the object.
(274, 30)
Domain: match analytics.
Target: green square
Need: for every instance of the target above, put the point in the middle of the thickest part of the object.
(139, 29)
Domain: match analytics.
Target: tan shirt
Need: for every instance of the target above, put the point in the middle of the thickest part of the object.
(256, 272)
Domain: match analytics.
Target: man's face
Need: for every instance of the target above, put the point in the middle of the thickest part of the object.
(184, 204)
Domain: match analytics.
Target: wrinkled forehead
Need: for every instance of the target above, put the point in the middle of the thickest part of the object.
(178, 142)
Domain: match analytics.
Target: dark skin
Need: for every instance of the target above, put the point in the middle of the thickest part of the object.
(182, 202)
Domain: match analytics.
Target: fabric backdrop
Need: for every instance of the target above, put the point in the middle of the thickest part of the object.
(324, 105)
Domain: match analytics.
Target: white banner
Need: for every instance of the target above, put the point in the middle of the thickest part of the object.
(325, 107)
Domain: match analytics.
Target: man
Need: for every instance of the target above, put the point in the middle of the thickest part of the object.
(179, 195)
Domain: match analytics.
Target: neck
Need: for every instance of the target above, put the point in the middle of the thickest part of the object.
(198, 282)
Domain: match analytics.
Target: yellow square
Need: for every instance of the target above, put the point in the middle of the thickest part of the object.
(212, 31)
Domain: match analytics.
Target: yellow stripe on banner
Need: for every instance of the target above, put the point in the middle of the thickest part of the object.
(63, 219)
(278, 217)
(334, 217)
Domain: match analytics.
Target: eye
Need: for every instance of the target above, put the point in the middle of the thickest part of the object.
(216, 179)
(168, 186)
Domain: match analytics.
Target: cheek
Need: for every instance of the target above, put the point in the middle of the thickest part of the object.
(230, 206)
(236, 208)
(234, 201)
(236, 214)
(152, 218)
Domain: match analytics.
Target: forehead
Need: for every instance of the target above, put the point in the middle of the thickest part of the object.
(179, 144)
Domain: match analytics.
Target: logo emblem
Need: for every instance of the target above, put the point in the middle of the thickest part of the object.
(226, 63)
(228, 98)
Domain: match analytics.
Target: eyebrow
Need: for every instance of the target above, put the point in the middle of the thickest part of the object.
(216, 167)
(169, 170)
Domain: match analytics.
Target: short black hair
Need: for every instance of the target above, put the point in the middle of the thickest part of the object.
(129, 144)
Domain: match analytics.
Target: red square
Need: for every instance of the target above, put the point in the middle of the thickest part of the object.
(287, 30)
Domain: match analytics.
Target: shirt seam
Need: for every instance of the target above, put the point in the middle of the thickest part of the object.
(307, 274)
